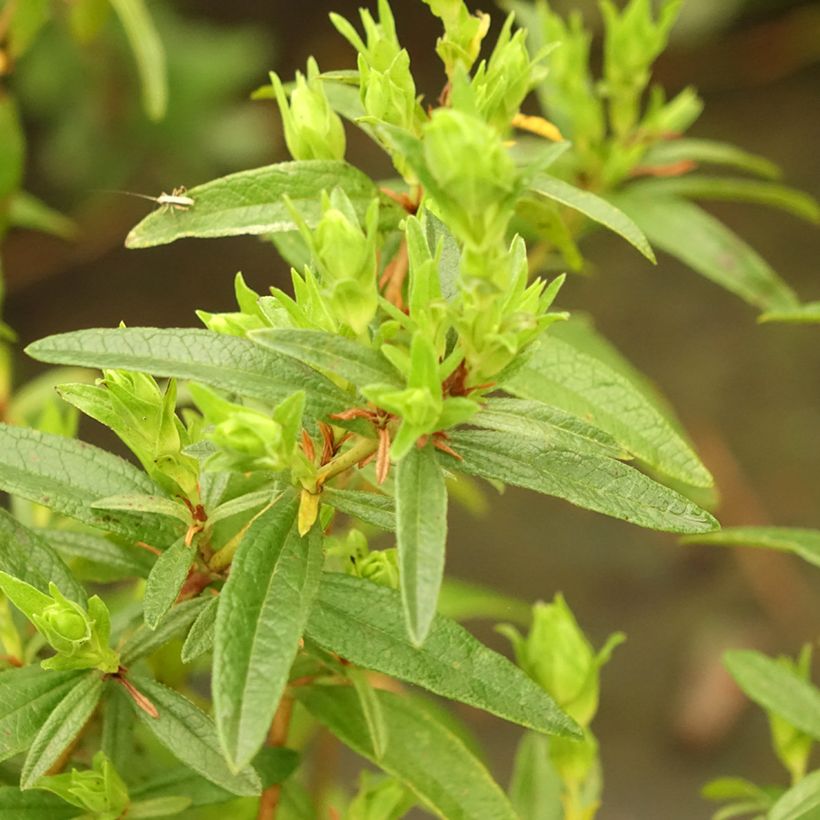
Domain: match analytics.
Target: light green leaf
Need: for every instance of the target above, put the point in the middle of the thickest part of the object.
(464, 601)
(226, 362)
(262, 612)
(361, 621)
(777, 689)
(69, 476)
(252, 202)
(159, 807)
(595, 208)
(33, 805)
(27, 697)
(800, 802)
(190, 735)
(200, 638)
(241, 504)
(731, 189)
(148, 52)
(26, 211)
(371, 709)
(421, 534)
(425, 755)
(165, 581)
(806, 314)
(700, 241)
(63, 725)
(26, 555)
(99, 559)
(593, 482)
(805, 543)
(346, 358)
(535, 787)
(709, 152)
(145, 504)
(569, 370)
(371, 507)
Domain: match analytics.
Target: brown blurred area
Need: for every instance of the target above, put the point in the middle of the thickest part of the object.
(750, 396)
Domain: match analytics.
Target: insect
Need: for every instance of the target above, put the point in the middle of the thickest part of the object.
(176, 200)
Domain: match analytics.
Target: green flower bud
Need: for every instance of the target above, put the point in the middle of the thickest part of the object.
(380, 567)
(249, 433)
(64, 624)
(313, 130)
(463, 34)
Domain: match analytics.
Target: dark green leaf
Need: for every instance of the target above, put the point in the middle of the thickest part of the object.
(99, 559)
(805, 543)
(165, 581)
(262, 612)
(423, 754)
(275, 764)
(61, 727)
(200, 638)
(421, 535)
(373, 508)
(190, 735)
(800, 802)
(535, 788)
(226, 362)
(361, 621)
(117, 740)
(33, 805)
(777, 689)
(709, 152)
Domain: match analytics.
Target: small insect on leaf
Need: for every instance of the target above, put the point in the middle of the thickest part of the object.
(177, 200)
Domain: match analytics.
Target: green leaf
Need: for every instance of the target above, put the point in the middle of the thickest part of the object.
(732, 189)
(371, 709)
(117, 741)
(593, 482)
(26, 211)
(99, 559)
(805, 543)
(346, 358)
(33, 805)
(595, 208)
(709, 152)
(149, 53)
(262, 612)
(145, 504)
(145, 641)
(181, 780)
(777, 689)
(69, 476)
(707, 246)
(800, 802)
(421, 535)
(464, 601)
(165, 581)
(806, 314)
(12, 157)
(426, 756)
(27, 697)
(26, 21)
(64, 723)
(190, 735)
(226, 362)
(159, 807)
(575, 371)
(26, 555)
(200, 638)
(371, 507)
(734, 788)
(535, 788)
(361, 621)
(252, 202)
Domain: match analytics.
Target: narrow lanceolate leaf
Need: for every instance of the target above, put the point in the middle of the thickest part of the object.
(595, 483)
(200, 638)
(117, 739)
(595, 208)
(535, 787)
(252, 202)
(29, 557)
(805, 543)
(700, 241)
(33, 805)
(709, 152)
(806, 314)
(27, 697)
(99, 559)
(421, 533)
(190, 735)
(347, 358)
(777, 689)
(262, 612)
(226, 362)
(165, 581)
(563, 371)
(423, 754)
(69, 476)
(800, 802)
(371, 709)
(361, 621)
(63, 725)
(373, 508)
(156, 504)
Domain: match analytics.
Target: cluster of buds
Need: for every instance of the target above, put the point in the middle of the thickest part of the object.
(357, 559)
(463, 34)
(250, 315)
(79, 636)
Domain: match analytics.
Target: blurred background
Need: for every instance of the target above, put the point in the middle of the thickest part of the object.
(670, 718)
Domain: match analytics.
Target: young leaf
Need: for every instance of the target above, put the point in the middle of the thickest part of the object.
(252, 202)
(800, 802)
(464, 601)
(595, 208)
(361, 621)
(27, 697)
(190, 735)
(707, 246)
(593, 482)
(573, 371)
(373, 508)
(200, 638)
(165, 581)
(69, 476)
(805, 543)
(262, 612)
(226, 362)
(159, 807)
(351, 360)
(95, 558)
(422, 753)
(33, 805)
(535, 788)
(27, 556)
(156, 504)
(371, 709)
(709, 152)
(421, 533)
(805, 314)
(63, 724)
(26, 211)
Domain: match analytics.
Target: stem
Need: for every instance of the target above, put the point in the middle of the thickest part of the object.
(349, 458)
(277, 737)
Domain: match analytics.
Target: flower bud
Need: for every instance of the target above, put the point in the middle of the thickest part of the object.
(64, 624)
(463, 34)
(100, 790)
